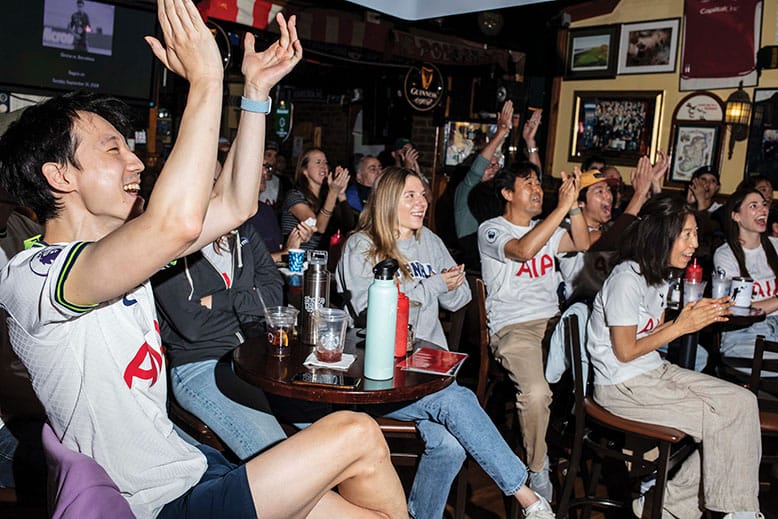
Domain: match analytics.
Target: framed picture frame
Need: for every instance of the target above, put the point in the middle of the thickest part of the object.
(649, 47)
(620, 126)
(694, 145)
(762, 154)
(695, 138)
(591, 52)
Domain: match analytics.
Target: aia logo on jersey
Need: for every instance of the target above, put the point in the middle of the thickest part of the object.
(648, 327)
(536, 267)
(43, 260)
(146, 364)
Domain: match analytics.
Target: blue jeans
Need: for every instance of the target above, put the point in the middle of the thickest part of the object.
(451, 422)
(246, 431)
(8, 446)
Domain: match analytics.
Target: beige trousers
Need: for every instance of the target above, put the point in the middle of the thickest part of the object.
(721, 415)
(520, 348)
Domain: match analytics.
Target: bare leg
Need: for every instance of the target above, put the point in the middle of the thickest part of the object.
(344, 449)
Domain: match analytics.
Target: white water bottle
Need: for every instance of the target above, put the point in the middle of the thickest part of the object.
(381, 321)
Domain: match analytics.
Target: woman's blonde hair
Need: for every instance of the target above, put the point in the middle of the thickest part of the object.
(379, 218)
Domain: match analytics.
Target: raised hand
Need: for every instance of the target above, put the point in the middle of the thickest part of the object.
(531, 128)
(190, 49)
(568, 191)
(410, 159)
(338, 182)
(658, 171)
(642, 177)
(505, 117)
(263, 70)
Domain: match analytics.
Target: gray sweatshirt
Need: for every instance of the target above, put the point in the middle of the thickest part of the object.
(427, 256)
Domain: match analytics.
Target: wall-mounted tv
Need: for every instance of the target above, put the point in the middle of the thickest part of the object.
(61, 45)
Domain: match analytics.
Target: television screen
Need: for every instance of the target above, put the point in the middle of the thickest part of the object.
(63, 45)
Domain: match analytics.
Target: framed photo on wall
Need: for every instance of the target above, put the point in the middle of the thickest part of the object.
(591, 52)
(695, 138)
(762, 156)
(648, 47)
(694, 146)
(620, 126)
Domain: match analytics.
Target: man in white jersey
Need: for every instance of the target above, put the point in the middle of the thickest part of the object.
(81, 312)
(518, 267)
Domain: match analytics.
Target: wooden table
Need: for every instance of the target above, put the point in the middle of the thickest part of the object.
(255, 365)
(686, 351)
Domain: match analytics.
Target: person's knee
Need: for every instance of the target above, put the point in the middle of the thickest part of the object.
(440, 443)
(535, 396)
(359, 432)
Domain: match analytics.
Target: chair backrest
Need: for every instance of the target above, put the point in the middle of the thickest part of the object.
(757, 382)
(78, 485)
(573, 347)
(479, 298)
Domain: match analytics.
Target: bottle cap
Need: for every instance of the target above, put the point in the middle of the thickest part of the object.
(694, 272)
(386, 269)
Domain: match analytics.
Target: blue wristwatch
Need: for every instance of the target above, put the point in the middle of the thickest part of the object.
(260, 107)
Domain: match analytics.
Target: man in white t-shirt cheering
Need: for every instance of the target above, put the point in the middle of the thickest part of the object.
(518, 266)
(81, 310)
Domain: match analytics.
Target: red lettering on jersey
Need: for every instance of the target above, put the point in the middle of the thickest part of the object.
(134, 369)
(546, 262)
(648, 327)
(758, 291)
(531, 267)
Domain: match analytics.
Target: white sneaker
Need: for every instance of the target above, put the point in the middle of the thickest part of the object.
(744, 515)
(540, 482)
(637, 506)
(540, 509)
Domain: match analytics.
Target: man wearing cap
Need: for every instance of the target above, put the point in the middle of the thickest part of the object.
(518, 266)
(584, 273)
(700, 193)
(368, 169)
(405, 154)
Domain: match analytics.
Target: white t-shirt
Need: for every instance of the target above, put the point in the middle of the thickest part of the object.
(625, 300)
(100, 374)
(765, 283)
(517, 291)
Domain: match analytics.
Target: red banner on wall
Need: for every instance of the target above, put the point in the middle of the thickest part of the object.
(720, 38)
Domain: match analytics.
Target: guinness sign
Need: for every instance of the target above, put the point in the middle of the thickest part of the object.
(423, 87)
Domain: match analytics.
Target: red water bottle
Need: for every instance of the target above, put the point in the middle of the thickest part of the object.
(401, 333)
(694, 272)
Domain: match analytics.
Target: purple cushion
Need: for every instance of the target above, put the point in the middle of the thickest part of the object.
(79, 486)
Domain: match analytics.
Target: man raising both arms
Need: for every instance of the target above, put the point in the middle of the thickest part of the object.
(81, 313)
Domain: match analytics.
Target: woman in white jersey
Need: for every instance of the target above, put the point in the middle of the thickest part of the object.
(631, 380)
(751, 253)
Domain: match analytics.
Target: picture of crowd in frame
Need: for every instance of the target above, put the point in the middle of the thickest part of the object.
(620, 125)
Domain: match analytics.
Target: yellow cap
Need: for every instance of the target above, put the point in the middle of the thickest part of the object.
(591, 177)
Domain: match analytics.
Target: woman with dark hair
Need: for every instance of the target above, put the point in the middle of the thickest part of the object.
(750, 252)
(450, 421)
(318, 198)
(631, 380)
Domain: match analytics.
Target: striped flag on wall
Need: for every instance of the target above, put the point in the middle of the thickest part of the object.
(256, 13)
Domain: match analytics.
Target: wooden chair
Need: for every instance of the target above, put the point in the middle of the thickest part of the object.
(192, 425)
(608, 436)
(768, 401)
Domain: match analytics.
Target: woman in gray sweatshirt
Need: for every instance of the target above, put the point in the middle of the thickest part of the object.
(450, 421)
